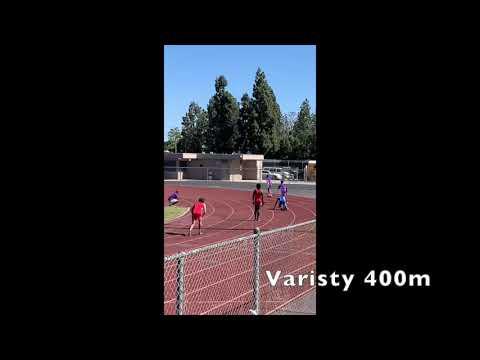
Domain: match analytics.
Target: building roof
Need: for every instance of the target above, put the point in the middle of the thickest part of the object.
(186, 156)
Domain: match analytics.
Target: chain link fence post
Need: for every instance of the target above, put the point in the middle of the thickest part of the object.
(247, 256)
(180, 301)
(256, 271)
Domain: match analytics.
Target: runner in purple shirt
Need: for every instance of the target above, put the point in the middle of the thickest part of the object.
(269, 185)
(283, 189)
(173, 199)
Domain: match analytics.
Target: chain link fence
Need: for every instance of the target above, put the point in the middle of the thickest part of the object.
(282, 170)
(232, 277)
(297, 170)
(211, 173)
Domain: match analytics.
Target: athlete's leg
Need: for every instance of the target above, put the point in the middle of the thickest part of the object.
(191, 226)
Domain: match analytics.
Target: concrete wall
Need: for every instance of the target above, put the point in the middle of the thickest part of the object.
(170, 175)
(312, 172)
(213, 166)
(216, 169)
(195, 170)
(252, 170)
(171, 171)
(235, 173)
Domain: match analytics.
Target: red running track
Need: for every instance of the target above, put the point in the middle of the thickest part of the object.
(220, 281)
(229, 216)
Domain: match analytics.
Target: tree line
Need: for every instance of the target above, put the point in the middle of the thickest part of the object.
(254, 125)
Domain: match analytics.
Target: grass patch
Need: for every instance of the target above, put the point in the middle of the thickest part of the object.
(172, 212)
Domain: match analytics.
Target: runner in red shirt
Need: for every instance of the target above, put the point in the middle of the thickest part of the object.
(257, 198)
(198, 210)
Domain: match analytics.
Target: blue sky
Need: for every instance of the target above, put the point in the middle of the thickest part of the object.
(190, 73)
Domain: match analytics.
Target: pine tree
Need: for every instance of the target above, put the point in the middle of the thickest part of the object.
(266, 115)
(201, 131)
(194, 126)
(174, 137)
(254, 138)
(244, 123)
(223, 114)
(313, 137)
(285, 133)
(302, 131)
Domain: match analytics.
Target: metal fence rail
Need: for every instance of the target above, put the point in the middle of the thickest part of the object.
(295, 167)
(230, 278)
(211, 173)
(289, 173)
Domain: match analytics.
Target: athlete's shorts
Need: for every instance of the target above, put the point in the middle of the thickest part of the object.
(196, 216)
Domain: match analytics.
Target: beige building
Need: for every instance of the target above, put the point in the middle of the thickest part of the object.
(311, 171)
(232, 167)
